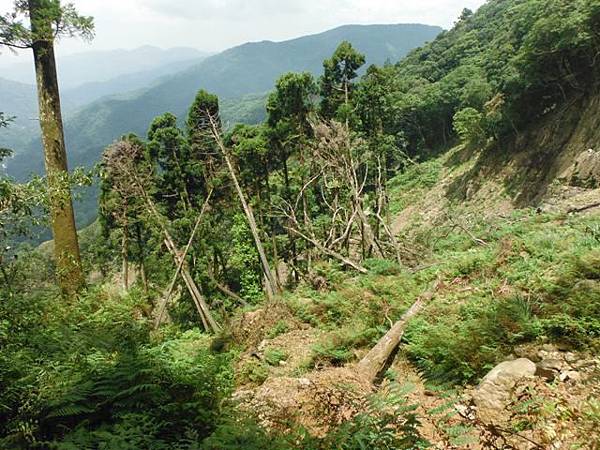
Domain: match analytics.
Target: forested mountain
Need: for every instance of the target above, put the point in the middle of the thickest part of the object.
(233, 74)
(101, 66)
(398, 256)
(19, 99)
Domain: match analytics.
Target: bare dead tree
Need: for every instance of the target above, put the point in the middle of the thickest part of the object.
(339, 178)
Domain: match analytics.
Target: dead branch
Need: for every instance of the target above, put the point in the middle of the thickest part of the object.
(467, 231)
(583, 208)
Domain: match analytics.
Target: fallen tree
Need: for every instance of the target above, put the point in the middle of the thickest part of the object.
(376, 361)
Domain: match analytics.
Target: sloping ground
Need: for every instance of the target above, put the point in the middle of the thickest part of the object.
(513, 282)
(554, 165)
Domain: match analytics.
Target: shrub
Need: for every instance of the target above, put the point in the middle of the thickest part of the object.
(275, 356)
(278, 329)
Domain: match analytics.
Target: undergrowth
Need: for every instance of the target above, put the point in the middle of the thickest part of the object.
(90, 374)
(526, 278)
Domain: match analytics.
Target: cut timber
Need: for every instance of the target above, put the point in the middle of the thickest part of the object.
(373, 364)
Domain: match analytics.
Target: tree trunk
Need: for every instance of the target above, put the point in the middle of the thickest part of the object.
(66, 245)
(374, 363)
(124, 256)
(142, 259)
(272, 287)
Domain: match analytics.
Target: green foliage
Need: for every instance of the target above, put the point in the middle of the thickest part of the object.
(91, 376)
(535, 281)
(50, 19)
(275, 356)
(388, 422)
(278, 329)
(382, 267)
(410, 182)
(468, 124)
(337, 81)
(454, 350)
(254, 371)
(244, 260)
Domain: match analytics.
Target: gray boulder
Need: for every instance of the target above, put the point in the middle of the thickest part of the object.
(494, 392)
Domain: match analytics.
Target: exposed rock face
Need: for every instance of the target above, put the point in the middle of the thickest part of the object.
(494, 391)
(586, 170)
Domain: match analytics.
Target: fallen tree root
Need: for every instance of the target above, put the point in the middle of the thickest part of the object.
(373, 364)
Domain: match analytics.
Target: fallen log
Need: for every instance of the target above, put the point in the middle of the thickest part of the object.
(375, 362)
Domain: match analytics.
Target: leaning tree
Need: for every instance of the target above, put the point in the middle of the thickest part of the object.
(36, 25)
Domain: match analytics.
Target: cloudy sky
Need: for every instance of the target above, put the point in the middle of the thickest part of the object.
(215, 25)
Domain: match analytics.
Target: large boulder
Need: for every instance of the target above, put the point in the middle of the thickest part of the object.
(494, 392)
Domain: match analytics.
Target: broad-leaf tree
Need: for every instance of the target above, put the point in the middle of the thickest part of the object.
(36, 25)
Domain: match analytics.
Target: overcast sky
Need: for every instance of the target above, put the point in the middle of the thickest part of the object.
(215, 25)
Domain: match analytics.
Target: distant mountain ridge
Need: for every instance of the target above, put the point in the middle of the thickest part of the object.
(19, 99)
(101, 66)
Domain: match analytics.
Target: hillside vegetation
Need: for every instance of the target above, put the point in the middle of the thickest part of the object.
(403, 256)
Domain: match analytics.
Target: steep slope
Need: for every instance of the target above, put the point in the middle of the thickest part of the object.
(248, 69)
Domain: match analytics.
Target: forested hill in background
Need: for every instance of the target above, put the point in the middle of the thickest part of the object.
(84, 78)
(237, 75)
(100, 66)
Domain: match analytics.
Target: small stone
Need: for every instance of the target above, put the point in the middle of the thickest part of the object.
(465, 411)
(304, 382)
(549, 369)
(571, 357)
(570, 376)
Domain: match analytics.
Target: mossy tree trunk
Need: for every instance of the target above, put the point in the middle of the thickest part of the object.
(66, 245)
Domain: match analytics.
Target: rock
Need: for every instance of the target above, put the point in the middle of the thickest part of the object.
(262, 346)
(493, 393)
(585, 172)
(585, 364)
(465, 411)
(549, 368)
(570, 376)
(571, 357)
(304, 382)
(528, 351)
